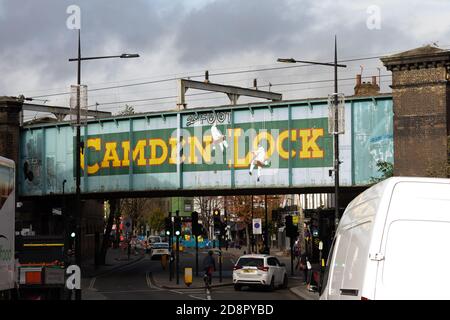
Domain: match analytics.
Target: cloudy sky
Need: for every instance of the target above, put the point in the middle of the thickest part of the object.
(233, 39)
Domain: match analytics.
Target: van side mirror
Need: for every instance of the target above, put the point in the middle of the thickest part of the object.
(282, 264)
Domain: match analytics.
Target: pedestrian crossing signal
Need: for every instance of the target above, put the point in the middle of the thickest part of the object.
(195, 224)
(168, 226)
(291, 229)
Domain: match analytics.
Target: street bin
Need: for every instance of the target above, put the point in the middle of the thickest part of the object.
(188, 276)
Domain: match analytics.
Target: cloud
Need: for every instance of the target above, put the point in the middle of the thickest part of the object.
(225, 27)
(178, 37)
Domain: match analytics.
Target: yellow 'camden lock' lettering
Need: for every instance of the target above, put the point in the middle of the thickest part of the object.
(303, 144)
(310, 149)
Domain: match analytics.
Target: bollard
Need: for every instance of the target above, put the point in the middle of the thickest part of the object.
(188, 276)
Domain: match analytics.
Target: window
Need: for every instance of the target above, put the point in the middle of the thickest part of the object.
(251, 262)
(272, 262)
(278, 262)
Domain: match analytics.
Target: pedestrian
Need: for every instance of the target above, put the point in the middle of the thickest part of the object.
(309, 275)
(298, 255)
(209, 266)
(304, 267)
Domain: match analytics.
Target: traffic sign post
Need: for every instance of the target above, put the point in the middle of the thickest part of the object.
(257, 226)
(319, 285)
(220, 266)
(177, 226)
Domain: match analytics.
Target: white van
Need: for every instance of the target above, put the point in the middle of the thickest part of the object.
(393, 242)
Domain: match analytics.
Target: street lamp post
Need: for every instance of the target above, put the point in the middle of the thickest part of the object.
(336, 122)
(78, 148)
(253, 236)
(266, 231)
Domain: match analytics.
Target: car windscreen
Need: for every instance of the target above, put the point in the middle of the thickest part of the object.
(251, 262)
(161, 246)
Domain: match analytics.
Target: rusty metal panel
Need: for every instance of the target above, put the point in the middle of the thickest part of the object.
(208, 149)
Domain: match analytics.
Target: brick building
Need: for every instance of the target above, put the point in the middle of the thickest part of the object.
(421, 100)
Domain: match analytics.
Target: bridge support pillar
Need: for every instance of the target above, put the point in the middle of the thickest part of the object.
(421, 97)
(10, 114)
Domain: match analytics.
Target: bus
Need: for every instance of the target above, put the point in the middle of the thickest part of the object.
(7, 226)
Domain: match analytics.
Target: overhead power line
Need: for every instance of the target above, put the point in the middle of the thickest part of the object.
(205, 93)
(200, 76)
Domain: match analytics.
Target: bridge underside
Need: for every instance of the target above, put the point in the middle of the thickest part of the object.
(346, 193)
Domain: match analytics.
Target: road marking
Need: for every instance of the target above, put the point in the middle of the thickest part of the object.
(148, 278)
(126, 291)
(91, 284)
(208, 294)
(121, 268)
(176, 291)
(196, 297)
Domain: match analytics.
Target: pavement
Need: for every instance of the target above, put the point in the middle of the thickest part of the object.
(117, 260)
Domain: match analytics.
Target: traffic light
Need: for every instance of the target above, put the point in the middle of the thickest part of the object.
(168, 226)
(195, 225)
(291, 229)
(177, 226)
(217, 222)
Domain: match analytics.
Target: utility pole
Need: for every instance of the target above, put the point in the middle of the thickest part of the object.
(78, 173)
(78, 212)
(336, 138)
(171, 248)
(178, 252)
(253, 236)
(266, 229)
(336, 122)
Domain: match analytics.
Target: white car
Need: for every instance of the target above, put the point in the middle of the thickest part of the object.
(259, 270)
(159, 249)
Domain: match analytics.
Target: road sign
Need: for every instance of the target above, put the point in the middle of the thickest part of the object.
(257, 226)
(332, 113)
(128, 225)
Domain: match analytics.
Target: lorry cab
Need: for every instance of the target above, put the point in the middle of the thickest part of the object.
(391, 241)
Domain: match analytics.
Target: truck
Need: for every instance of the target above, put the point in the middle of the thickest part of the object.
(392, 243)
(31, 266)
(40, 267)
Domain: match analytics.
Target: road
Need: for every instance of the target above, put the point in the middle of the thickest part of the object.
(143, 280)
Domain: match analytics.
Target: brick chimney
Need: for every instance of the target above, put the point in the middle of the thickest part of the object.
(366, 88)
(421, 97)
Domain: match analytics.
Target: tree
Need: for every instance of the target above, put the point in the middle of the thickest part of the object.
(136, 209)
(386, 169)
(240, 207)
(112, 213)
(128, 110)
(206, 205)
(156, 219)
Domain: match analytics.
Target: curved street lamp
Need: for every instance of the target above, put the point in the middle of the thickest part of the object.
(78, 148)
(336, 123)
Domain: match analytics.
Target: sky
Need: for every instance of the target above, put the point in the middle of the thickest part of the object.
(183, 38)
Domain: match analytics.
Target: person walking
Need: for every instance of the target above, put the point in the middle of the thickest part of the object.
(309, 276)
(304, 267)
